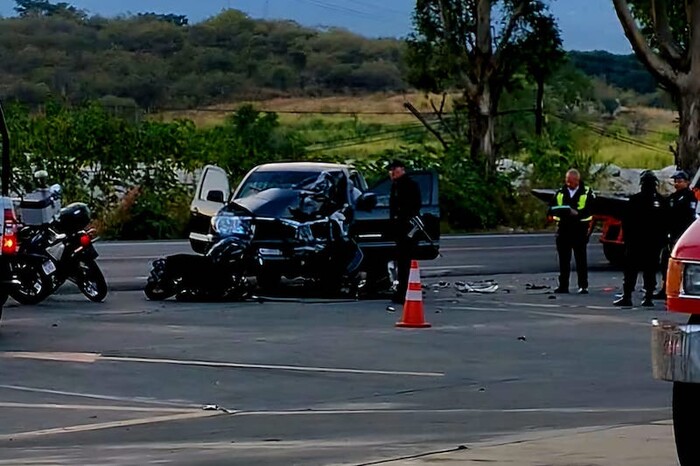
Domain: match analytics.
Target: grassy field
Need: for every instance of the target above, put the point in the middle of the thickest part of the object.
(360, 125)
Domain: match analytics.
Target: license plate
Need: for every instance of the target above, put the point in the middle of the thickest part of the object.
(270, 252)
(48, 267)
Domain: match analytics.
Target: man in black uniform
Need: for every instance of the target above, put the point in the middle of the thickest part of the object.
(404, 204)
(681, 213)
(570, 207)
(645, 232)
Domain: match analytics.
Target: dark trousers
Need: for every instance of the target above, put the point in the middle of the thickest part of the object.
(404, 254)
(645, 260)
(573, 239)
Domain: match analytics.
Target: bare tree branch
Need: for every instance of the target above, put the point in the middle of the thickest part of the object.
(507, 33)
(667, 45)
(661, 69)
(409, 106)
(439, 114)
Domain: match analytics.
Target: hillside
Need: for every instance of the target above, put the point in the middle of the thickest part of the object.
(160, 61)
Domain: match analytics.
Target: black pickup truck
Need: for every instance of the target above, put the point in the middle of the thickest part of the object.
(263, 190)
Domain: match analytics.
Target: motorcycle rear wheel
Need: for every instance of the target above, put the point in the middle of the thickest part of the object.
(34, 286)
(91, 281)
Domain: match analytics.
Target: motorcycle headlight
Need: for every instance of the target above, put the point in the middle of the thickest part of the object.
(228, 225)
(691, 279)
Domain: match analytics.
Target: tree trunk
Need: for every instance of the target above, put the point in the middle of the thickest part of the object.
(539, 107)
(689, 132)
(482, 128)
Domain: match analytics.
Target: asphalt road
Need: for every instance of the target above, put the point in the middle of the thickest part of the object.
(319, 382)
(126, 265)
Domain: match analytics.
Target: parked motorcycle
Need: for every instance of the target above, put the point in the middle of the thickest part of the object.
(218, 275)
(51, 254)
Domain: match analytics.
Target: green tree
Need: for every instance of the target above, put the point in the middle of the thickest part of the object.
(475, 46)
(664, 36)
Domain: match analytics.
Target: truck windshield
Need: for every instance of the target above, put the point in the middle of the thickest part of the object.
(260, 181)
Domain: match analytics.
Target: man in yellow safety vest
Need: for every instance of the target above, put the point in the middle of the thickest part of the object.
(570, 207)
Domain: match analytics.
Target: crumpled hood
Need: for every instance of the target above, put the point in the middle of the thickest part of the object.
(273, 203)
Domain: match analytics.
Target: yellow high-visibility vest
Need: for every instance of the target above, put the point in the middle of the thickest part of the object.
(581, 203)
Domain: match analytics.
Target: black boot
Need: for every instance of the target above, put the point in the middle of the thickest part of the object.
(647, 302)
(624, 301)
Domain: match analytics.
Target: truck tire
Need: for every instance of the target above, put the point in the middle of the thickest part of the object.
(686, 408)
(200, 247)
(614, 253)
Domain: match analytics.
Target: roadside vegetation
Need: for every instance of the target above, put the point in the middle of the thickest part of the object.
(123, 112)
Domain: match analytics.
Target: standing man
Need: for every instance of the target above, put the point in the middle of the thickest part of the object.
(404, 204)
(570, 207)
(644, 224)
(681, 213)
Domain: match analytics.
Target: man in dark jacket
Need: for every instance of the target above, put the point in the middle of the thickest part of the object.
(404, 204)
(681, 213)
(570, 207)
(644, 224)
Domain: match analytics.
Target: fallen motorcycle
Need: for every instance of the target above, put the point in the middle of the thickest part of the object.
(51, 254)
(217, 276)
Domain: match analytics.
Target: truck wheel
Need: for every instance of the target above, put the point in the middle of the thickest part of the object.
(686, 407)
(268, 280)
(614, 253)
(200, 247)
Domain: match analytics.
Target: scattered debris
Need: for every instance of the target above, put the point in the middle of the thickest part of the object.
(522, 338)
(551, 296)
(485, 286)
(216, 408)
(482, 389)
(441, 285)
(391, 309)
(532, 286)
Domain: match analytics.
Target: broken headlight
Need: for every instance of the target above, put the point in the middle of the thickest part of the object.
(229, 225)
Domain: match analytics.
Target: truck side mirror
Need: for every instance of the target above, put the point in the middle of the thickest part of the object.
(367, 201)
(215, 196)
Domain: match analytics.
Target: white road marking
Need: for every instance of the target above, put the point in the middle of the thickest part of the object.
(63, 357)
(451, 267)
(94, 357)
(235, 365)
(498, 248)
(110, 425)
(536, 305)
(94, 396)
(136, 409)
(321, 412)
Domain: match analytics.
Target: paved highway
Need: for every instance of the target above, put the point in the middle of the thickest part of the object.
(318, 382)
(126, 265)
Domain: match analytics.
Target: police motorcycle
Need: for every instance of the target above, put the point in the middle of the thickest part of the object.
(219, 275)
(55, 246)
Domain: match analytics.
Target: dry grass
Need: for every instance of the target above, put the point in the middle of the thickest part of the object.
(376, 108)
(659, 125)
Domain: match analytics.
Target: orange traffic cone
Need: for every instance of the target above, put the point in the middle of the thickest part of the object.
(413, 307)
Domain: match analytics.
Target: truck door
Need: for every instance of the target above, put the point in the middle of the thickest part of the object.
(213, 191)
(371, 228)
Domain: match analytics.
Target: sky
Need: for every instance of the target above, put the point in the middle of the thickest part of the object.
(585, 24)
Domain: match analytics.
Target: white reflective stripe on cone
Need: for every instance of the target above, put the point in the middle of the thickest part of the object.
(414, 276)
(414, 295)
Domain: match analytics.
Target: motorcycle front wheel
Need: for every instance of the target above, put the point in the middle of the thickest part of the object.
(91, 281)
(33, 285)
(156, 292)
